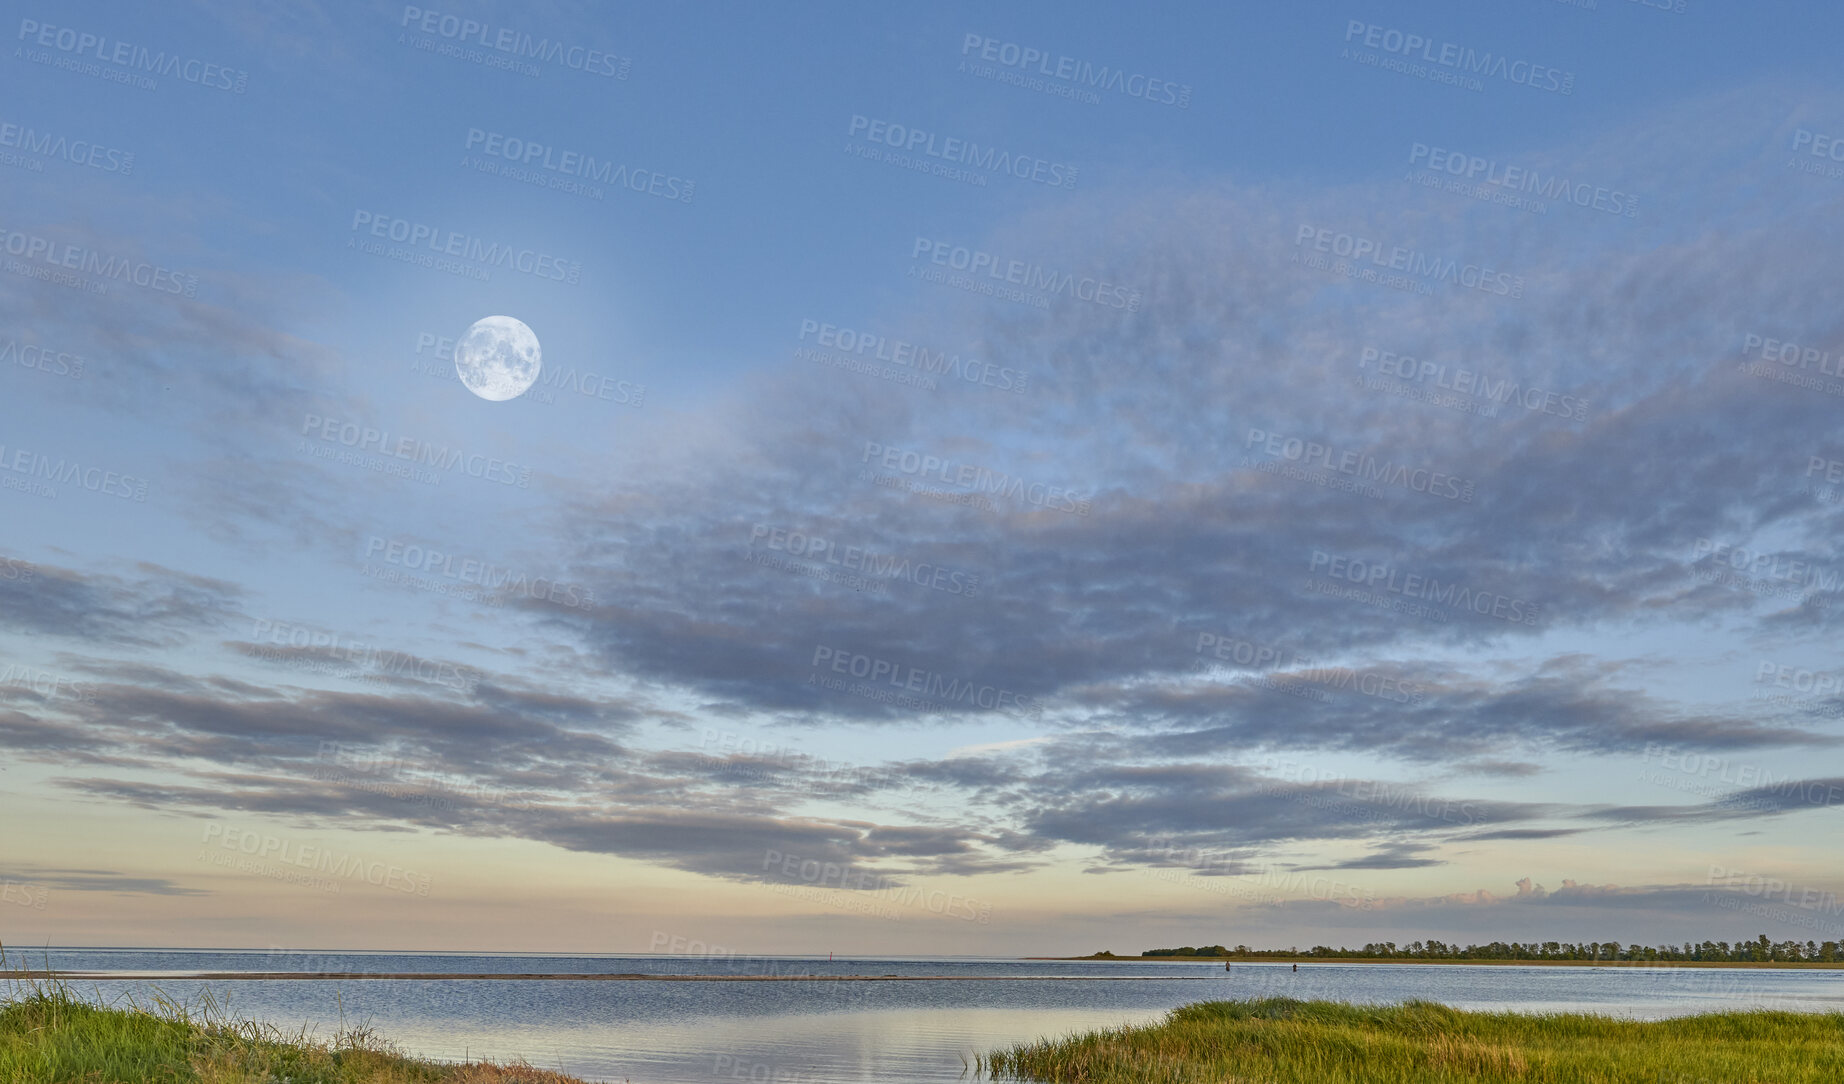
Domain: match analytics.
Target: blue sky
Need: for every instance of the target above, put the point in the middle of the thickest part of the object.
(1202, 598)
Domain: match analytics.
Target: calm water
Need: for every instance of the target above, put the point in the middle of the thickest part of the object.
(826, 1033)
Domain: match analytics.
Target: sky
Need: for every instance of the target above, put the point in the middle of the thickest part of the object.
(1023, 481)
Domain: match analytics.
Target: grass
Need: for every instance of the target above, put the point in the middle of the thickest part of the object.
(49, 1035)
(1285, 1041)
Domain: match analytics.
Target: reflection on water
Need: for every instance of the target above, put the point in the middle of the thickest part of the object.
(827, 1032)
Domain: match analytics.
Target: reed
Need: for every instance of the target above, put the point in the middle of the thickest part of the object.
(1286, 1041)
(49, 1035)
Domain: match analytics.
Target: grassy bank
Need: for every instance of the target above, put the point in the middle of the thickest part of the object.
(47, 1035)
(1283, 1041)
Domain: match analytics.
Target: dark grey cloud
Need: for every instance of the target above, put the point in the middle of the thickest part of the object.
(1561, 706)
(145, 605)
(1396, 856)
(1520, 833)
(1790, 795)
(56, 879)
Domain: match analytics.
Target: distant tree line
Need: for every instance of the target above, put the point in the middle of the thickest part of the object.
(1759, 950)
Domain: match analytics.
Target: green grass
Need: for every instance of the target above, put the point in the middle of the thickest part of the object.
(48, 1035)
(1284, 1041)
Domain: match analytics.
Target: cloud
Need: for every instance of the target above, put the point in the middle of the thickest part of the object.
(96, 880)
(147, 606)
(1151, 489)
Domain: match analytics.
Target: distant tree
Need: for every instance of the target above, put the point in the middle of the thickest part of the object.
(1760, 949)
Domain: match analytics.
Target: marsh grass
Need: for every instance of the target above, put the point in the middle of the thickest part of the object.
(48, 1034)
(1285, 1041)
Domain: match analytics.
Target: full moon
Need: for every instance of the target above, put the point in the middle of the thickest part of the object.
(498, 358)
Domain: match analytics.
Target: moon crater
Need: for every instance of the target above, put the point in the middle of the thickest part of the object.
(498, 358)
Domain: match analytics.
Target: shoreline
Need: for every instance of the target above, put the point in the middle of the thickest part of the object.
(31, 974)
(265, 976)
